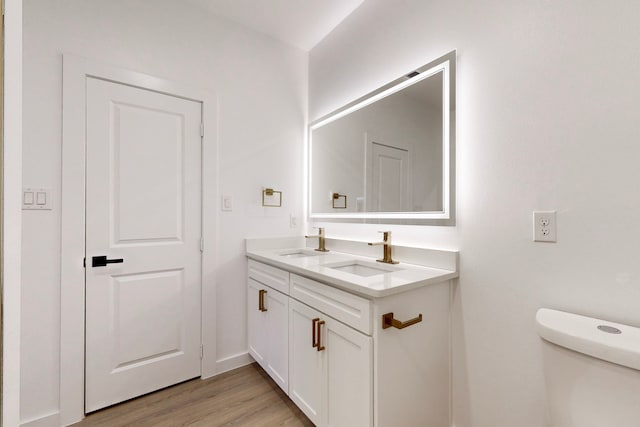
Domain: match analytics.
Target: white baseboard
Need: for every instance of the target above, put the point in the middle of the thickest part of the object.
(232, 362)
(51, 420)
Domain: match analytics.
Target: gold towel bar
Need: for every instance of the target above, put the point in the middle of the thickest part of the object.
(271, 198)
(339, 201)
(388, 321)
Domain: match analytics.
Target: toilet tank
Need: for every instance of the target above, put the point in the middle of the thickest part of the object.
(592, 370)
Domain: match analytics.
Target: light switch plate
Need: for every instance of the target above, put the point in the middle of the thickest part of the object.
(227, 203)
(38, 199)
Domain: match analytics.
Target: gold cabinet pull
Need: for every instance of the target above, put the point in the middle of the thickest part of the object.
(261, 295)
(314, 340)
(319, 334)
(388, 321)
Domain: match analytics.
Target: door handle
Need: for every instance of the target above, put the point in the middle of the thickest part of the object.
(314, 340)
(102, 261)
(320, 347)
(261, 294)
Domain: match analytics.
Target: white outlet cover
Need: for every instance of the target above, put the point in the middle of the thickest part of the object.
(544, 226)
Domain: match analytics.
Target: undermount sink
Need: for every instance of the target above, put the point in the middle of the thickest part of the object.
(299, 254)
(361, 268)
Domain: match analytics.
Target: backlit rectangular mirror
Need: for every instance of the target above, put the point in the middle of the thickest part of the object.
(390, 152)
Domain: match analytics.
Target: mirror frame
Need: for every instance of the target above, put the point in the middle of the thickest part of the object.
(445, 64)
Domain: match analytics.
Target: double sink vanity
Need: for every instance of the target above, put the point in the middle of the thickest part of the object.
(352, 341)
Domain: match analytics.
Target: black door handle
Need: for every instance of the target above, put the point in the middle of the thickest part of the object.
(102, 261)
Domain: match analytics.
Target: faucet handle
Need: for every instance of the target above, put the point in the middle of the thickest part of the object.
(386, 235)
(321, 239)
(386, 243)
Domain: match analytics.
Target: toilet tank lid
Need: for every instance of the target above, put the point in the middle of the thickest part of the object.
(581, 334)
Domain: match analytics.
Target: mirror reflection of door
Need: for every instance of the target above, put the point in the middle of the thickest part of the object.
(388, 180)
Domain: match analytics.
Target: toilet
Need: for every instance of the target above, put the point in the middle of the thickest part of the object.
(592, 370)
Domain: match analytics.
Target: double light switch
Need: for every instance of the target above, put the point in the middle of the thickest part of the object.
(36, 198)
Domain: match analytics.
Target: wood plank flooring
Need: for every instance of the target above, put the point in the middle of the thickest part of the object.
(243, 397)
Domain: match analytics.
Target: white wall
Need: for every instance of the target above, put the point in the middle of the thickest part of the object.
(547, 111)
(261, 87)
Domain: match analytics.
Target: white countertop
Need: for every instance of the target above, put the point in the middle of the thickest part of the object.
(402, 277)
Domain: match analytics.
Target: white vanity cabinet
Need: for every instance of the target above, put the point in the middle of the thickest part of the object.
(343, 368)
(329, 369)
(305, 362)
(267, 317)
(330, 363)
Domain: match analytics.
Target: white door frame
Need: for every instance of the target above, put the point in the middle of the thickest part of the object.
(72, 274)
(11, 212)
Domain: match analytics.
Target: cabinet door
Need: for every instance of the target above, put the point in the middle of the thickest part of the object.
(257, 324)
(277, 366)
(305, 361)
(348, 376)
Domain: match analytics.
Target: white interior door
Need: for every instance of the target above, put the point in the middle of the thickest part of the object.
(389, 179)
(143, 207)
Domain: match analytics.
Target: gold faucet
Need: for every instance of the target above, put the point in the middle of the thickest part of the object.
(386, 242)
(321, 240)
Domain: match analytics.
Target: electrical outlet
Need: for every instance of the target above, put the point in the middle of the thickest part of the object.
(544, 226)
(293, 221)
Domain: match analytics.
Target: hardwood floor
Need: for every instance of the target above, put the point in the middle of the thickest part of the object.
(243, 397)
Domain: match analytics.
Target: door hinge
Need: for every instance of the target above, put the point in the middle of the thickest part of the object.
(84, 262)
(202, 130)
(202, 244)
(201, 351)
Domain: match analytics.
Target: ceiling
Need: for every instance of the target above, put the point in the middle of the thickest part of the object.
(301, 23)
